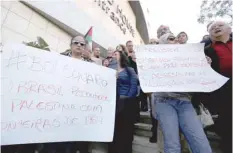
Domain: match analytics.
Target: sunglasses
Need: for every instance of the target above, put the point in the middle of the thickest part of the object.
(77, 42)
(171, 39)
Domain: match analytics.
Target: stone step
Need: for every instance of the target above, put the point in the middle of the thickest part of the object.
(213, 137)
(140, 145)
(145, 118)
(142, 129)
(145, 125)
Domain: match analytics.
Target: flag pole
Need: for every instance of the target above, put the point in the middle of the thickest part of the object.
(88, 38)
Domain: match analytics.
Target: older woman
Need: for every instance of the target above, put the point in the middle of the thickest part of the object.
(175, 112)
(77, 51)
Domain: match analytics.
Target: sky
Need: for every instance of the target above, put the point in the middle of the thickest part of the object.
(179, 15)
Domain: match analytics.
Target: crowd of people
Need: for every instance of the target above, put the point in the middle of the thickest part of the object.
(172, 111)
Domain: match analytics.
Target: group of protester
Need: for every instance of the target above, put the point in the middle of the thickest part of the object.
(174, 112)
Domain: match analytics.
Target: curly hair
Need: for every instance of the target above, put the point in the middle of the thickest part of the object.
(123, 59)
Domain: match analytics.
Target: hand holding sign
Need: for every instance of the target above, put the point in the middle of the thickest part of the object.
(48, 97)
(209, 60)
(176, 68)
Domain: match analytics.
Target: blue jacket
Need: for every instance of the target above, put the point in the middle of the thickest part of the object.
(113, 64)
(127, 83)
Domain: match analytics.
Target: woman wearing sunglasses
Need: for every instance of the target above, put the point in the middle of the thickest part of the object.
(127, 82)
(77, 47)
(78, 51)
(175, 112)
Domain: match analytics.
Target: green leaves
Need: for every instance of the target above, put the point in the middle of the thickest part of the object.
(212, 9)
(40, 43)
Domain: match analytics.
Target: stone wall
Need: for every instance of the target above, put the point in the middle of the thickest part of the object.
(20, 23)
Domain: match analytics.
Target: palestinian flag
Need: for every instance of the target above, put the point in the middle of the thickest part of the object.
(88, 37)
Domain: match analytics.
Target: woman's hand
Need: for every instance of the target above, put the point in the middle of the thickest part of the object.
(209, 60)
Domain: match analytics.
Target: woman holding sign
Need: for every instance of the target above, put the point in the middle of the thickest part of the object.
(127, 82)
(175, 112)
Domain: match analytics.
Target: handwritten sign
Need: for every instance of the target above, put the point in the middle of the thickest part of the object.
(47, 97)
(176, 68)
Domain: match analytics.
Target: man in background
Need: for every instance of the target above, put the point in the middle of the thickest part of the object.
(205, 38)
(112, 60)
(129, 46)
(86, 54)
(163, 29)
(153, 138)
(142, 97)
(207, 41)
(96, 56)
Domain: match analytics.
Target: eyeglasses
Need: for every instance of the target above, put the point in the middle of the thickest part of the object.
(171, 39)
(77, 42)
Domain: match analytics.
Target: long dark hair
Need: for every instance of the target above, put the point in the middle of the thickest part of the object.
(123, 59)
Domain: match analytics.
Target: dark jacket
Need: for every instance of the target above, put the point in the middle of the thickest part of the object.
(208, 98)
(209, 51)
(206, 42)
(133, 64)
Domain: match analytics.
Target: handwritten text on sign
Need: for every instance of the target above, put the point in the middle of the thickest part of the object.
(176, 68)
(48, 97)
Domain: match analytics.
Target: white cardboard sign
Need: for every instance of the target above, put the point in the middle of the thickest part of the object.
(48, 97)
(176, 68)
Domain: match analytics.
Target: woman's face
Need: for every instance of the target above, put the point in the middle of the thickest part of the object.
(171, 39)
(106, 63)
(78, 45)
(117, 56)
